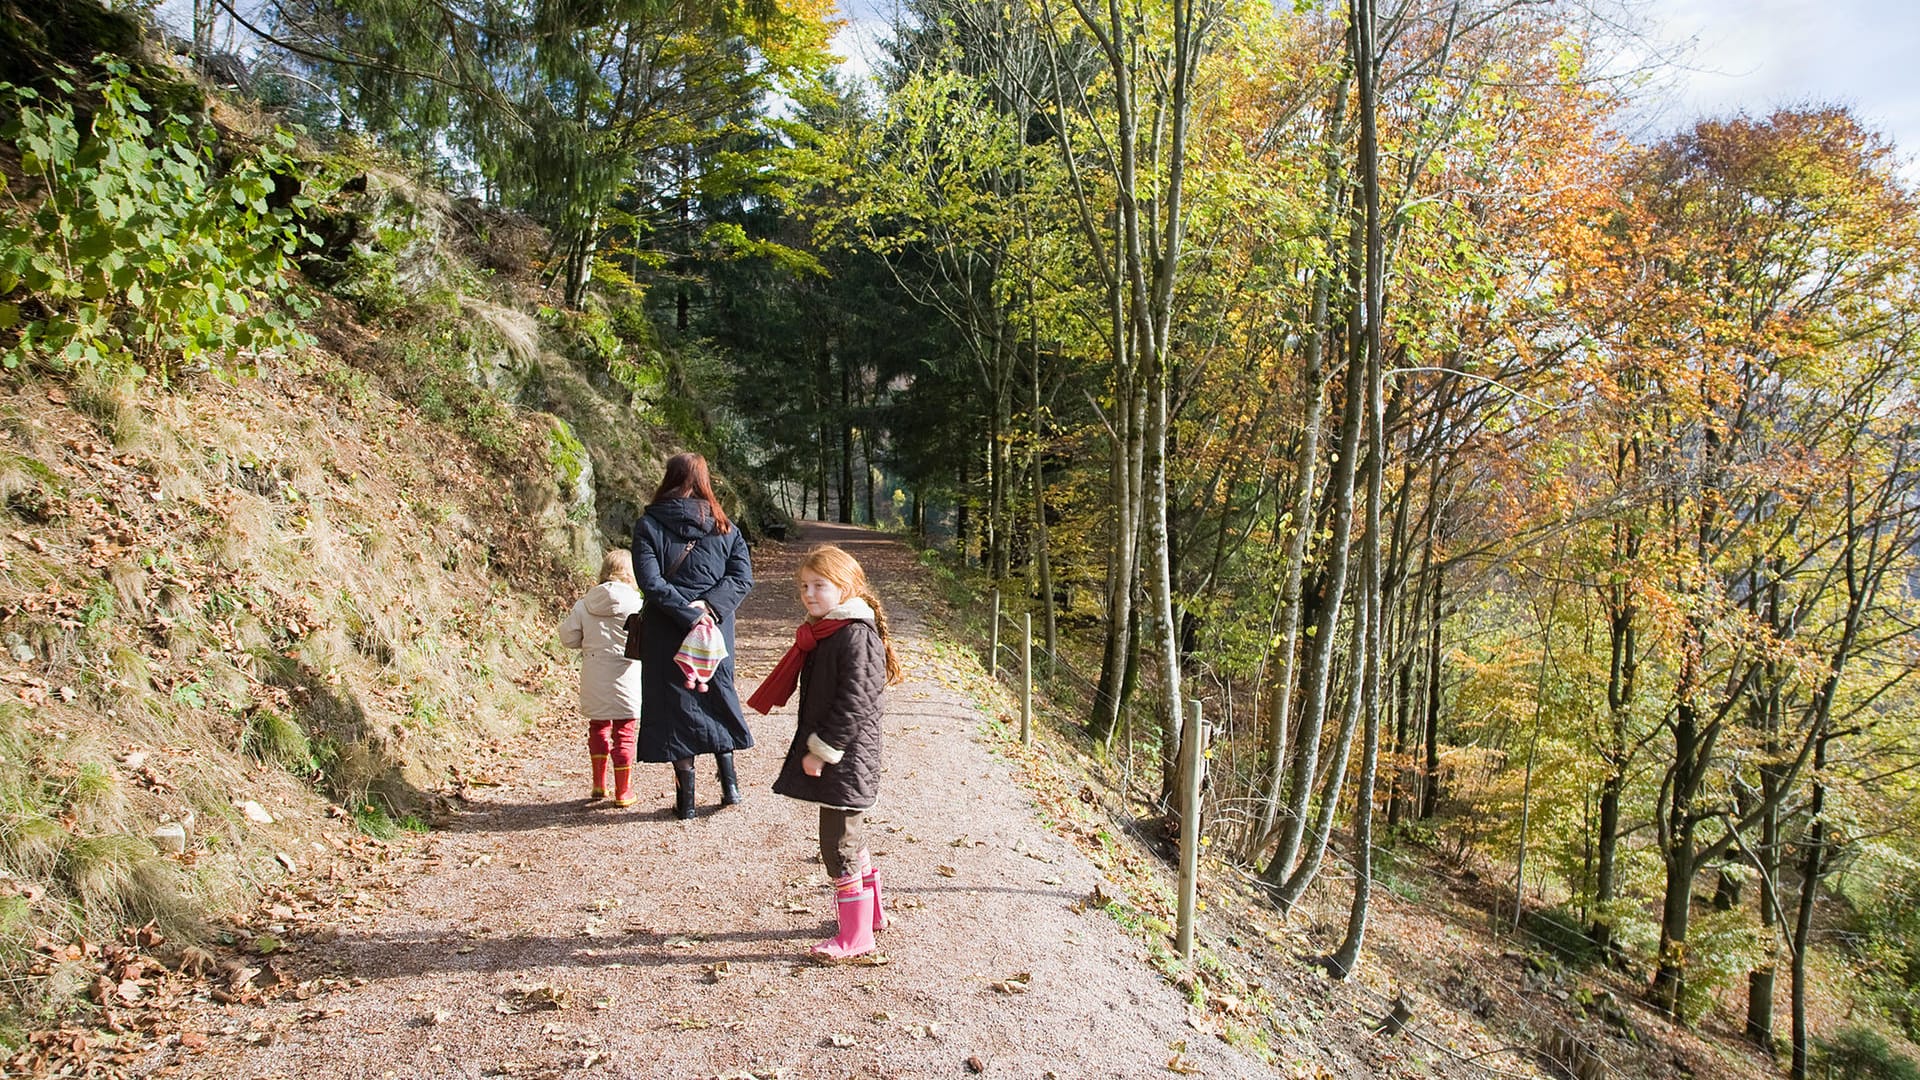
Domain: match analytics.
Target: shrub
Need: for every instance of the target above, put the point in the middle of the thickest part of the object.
(1859, 1053)
(1722, 946)
(1563, 933)
(139, 252)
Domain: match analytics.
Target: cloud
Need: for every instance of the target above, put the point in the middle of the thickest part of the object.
(1757, 55)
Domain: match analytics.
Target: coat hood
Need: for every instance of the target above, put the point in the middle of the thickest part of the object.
(683, 518)
(612, 599)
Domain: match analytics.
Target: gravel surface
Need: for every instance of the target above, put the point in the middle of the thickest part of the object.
(542, 938)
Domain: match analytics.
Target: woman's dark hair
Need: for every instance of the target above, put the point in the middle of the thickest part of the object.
(687, 478)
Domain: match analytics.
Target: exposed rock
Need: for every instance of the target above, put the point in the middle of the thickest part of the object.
(171, 838)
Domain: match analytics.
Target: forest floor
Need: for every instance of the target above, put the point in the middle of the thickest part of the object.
(530, 935)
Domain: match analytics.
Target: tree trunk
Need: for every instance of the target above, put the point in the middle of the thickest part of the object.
(1623, 667)
(1533, 746)
(1397, 751)
(1812, 867)
(824, 433)
(1111, 694)
(997, 519)
(1042, 552)
(847, 493)
(1369, 607)
(1300, 505)
(1679, 858)
(1430, 726)
(1606, 837)
(866, 467)
(1159, 559)
(579, 264)
(1281, 871)
(962, 531)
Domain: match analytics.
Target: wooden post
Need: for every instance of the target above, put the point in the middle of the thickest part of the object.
(993, 638)
(1026, 681)
(1193, 755)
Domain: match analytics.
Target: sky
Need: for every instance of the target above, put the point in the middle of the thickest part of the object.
(1729, 56)
(1753, 55)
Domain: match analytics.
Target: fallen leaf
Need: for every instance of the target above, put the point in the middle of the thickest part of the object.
(531, 997)
(1014, 984)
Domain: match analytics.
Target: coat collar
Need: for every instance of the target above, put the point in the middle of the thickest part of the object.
(852, 608)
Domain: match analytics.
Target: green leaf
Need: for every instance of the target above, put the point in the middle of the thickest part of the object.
(9, 316)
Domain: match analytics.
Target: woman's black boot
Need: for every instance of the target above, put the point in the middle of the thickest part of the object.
(683, 792)
(729, 784)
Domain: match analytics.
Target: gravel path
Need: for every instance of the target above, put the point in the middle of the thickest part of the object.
(539, 938)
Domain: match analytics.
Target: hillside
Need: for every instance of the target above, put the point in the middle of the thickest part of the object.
(258, 616)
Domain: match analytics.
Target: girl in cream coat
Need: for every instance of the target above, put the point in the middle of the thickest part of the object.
(609, 682)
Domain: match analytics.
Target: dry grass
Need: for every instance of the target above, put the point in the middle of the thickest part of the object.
(281, 608)
(519, 331)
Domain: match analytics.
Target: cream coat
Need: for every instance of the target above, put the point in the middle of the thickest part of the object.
(609, 682)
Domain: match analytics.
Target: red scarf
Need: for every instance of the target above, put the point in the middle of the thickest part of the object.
(774, 691)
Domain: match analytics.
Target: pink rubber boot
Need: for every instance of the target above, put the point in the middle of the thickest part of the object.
(871, 878)
(854, 906)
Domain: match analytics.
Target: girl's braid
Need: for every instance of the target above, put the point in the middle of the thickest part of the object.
(894, 674)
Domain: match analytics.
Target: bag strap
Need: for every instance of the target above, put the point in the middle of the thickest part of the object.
(688, 550)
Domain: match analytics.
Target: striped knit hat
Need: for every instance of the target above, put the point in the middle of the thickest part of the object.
(700, 654)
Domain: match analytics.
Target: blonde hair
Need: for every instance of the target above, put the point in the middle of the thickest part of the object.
(617, 565)
(844, 570)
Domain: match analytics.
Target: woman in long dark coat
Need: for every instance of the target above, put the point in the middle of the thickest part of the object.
(691, 563)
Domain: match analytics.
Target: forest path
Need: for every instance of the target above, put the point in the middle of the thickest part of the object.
(536, 937)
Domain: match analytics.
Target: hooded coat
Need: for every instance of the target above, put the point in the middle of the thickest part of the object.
(609, 682)
(842, 690)
(679, 557)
